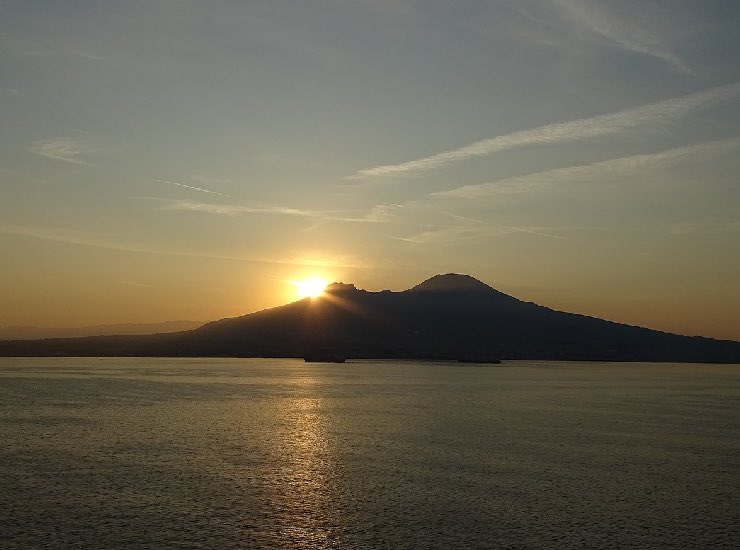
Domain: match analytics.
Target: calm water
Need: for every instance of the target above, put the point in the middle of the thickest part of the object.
(157, 453)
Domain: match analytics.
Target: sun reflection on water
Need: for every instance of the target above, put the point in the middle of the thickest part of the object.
(303, 488)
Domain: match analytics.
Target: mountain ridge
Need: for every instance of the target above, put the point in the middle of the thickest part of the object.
(448, 316)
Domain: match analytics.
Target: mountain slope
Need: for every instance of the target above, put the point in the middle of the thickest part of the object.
(446, 317)
(36, 333)
(452, 282)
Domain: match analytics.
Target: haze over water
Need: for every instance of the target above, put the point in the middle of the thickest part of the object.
(203, 453)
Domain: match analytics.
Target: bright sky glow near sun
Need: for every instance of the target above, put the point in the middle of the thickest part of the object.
(310, 288)
(181, 159)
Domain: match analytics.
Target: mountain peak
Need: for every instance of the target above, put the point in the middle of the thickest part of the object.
(452, 282)
(340, 287)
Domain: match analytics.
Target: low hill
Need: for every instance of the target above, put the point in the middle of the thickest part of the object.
(36, 333)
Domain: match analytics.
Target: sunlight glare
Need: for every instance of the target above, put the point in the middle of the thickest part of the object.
(310, 288)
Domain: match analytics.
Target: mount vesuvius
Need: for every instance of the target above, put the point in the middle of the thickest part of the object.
(446, 317)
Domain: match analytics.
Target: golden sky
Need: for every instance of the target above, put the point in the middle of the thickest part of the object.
(191, 160)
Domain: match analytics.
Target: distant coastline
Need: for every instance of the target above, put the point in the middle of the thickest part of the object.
(38, 333)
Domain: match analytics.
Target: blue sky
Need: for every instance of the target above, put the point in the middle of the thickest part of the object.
(172, 159)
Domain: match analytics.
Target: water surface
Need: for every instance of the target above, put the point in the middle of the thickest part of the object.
(219, 453)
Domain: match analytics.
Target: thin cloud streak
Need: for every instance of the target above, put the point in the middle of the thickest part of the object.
(236, 209)
(201, 189)
(531, 231)
(458, 233)
(83, 239)
(620, 33)
(20, 47)
(563, 132)
(586, 172)
(445, 235)
(65, 149)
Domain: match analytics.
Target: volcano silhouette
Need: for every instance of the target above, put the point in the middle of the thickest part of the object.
(448, 316)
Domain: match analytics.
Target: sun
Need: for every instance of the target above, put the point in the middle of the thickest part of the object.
(310, 288)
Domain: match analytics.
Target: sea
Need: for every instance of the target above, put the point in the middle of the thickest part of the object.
(265, 453)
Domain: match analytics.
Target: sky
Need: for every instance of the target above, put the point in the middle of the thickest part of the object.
(188, 159)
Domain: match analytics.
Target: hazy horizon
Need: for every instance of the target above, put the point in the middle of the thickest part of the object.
(41, 332)
(188, 160)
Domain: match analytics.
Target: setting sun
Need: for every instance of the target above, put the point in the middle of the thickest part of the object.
(310, 288)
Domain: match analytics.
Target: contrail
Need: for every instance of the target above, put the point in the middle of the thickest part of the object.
(192, 187)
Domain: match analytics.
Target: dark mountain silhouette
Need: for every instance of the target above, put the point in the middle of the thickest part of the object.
(453, 282)
(446, 317)
(35, 333)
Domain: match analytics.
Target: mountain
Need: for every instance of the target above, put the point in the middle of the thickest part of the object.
(452, 282)
(446, 317)
(35, 333)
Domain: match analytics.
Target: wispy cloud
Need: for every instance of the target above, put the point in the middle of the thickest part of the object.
(208, 180)
(587, 172)
(426, 213)
(70, 236)
(234, 209)
(538, 231)
(66, 149)
(563, 132)
(194, 188)
(375, 215)
(619, 32)
(456, 233)
(443, 235)
(382, 213)
(20, 46)
(81, 238)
